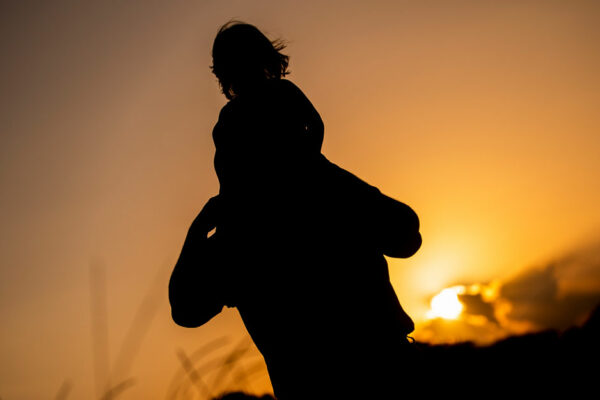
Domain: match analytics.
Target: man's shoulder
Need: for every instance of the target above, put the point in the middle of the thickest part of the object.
(286, 84)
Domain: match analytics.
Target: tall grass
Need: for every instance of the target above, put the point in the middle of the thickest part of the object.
(190, 380)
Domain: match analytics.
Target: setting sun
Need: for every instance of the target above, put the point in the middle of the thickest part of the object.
(446, 304)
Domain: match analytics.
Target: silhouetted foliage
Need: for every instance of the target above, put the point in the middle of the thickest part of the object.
(243, 396)
(543, 363)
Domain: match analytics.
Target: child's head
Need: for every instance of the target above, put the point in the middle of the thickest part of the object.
(243, 56)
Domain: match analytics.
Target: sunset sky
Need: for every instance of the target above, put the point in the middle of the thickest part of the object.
(483, 116)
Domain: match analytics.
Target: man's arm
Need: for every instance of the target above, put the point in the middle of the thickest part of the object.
(195, 287)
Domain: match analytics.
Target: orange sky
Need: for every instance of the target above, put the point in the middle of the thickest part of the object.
(481, 115)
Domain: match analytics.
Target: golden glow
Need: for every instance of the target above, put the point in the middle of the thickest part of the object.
(482, 119)
(488, 292)
(446, 304)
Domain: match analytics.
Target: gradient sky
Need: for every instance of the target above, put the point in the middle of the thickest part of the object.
(481, 115)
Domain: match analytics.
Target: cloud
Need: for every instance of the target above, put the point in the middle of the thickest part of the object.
(476, 305)
(558, 295)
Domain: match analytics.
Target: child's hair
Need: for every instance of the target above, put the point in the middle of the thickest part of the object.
(242, 54)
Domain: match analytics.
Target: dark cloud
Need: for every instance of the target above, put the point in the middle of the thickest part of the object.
(580, 270)
(475, 305)
(556, 296)
(536, 286)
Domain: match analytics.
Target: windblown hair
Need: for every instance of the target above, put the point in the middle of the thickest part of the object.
(243, 55)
